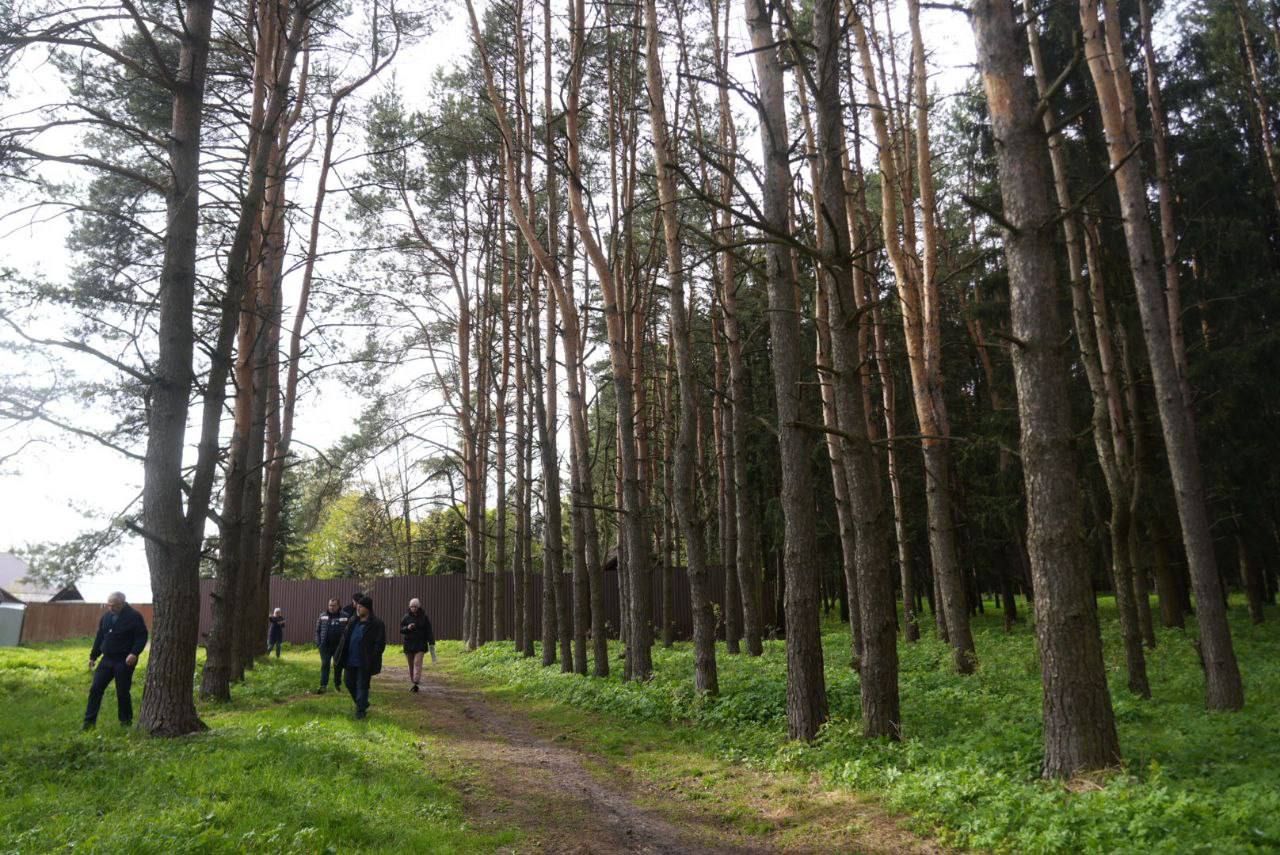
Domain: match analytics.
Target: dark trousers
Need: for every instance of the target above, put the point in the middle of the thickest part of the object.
(111, 669)
(328, 658)
(357, 680)
(276, 644)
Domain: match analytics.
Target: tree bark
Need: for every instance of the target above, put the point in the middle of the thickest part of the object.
(1079, 727)
(806, 685)
(918, 292)
(640, 641)
(692, 523)
(874, 577)
(173, 544)
(747, 556)
(1223, 687)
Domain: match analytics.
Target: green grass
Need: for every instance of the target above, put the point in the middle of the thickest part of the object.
(278, 771)
(968, 768)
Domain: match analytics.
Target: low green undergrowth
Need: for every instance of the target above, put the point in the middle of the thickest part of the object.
(968, 766)
(278, 771)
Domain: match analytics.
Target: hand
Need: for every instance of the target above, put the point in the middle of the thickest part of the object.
(411, 627)
(92, 664)
(131, 660)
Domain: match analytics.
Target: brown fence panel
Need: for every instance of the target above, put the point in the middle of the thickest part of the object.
(60, 621)
(442, 598)
(302, 601)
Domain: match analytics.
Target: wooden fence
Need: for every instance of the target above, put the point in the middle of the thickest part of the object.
(303, 600)
(58, 621)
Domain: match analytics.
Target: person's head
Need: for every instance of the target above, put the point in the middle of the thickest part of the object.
(357, 597)
(116, 602)
(364, 607)
(276, 612)
(415, 605)
(334, 604)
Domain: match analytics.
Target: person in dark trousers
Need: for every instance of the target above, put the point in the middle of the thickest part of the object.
(415, 626)
(122, 634)
(360, 652)
(329, 629)
(275, 633)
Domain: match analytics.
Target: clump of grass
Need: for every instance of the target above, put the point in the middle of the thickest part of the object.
(968, 767)
(301, 776)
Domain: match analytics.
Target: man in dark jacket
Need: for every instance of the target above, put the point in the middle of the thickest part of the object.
(360, 652)
(122, 634)
(329, 628)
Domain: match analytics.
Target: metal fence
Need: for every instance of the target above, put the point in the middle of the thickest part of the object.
(58, 621)
(302, 601)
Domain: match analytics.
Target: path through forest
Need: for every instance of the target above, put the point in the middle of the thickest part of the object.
(517, 771)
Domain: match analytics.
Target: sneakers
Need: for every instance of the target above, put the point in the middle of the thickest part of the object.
(415, 688)
(361, 713)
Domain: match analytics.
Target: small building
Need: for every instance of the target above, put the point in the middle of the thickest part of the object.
(15, 587)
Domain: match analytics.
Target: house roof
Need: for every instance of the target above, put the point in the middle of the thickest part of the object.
(13, 582)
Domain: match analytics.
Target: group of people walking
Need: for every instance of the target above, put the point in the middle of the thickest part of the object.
(351, 640)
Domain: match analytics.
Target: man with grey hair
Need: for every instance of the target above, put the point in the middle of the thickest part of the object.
(122, 634)
(415, 626)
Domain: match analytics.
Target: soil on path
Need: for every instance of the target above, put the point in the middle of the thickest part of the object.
(517, 771)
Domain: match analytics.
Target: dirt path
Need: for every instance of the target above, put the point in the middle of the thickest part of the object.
(516, 771)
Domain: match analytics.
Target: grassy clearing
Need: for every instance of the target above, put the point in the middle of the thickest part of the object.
(968, 767)
(269, 776)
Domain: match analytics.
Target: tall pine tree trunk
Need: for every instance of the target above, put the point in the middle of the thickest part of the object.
(1079, 727)
(1104, 51)
(806, 684)
(691, 519)
(917, 290)
(874, 578)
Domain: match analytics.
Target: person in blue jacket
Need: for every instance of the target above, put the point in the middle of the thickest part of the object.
(360, 653)
(122, 634)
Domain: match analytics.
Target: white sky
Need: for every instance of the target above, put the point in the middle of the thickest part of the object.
(61, 486)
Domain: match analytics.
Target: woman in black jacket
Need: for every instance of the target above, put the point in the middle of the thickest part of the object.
(360, 653)
(415, 626)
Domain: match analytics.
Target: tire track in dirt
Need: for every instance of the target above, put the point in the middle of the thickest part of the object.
(546, 787)
(538, 784)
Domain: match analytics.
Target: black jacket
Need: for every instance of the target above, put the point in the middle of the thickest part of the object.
(329, 628)
(372, 644)
(119, 635)
(418, 639)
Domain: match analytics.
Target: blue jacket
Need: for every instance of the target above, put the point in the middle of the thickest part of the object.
(372, 642)
(119, 635)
